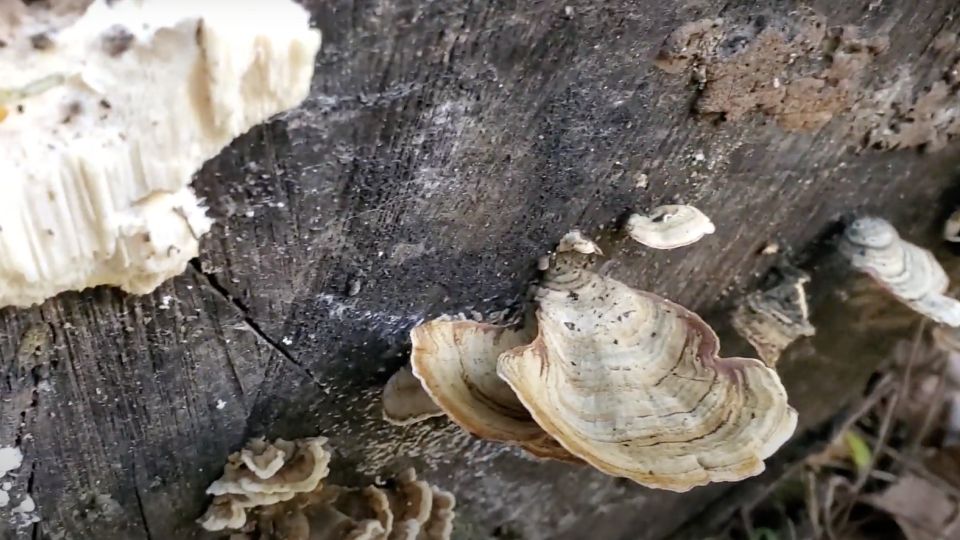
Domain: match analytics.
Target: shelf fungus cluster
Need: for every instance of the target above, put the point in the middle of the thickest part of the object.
(774, 318)
(907, 271)
(620, 379)
(107, 109)
(275, 491)
(669, 226)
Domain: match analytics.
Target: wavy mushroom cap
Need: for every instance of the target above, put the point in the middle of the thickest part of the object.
(456, 361)
(633, 384)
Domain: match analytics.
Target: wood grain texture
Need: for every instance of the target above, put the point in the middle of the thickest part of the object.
(445, 145)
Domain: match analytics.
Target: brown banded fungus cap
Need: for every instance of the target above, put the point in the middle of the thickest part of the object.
(633, 384)
(291, 503)
(262, 474)
(457, 363)
(909, 272)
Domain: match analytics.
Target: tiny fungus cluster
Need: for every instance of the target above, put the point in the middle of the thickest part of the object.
(774, 318)
(281, 484)
(107, 109)
(617, 378)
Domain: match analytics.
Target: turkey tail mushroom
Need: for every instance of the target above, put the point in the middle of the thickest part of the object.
(951, 227)
(280, 484)
(263, 474)
(456, 361)
(576, 241)
(633, 384)
(909, 272)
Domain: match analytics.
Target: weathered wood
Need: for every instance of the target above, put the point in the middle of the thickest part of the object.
(446, 144)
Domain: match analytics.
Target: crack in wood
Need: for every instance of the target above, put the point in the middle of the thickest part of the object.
(250, 323)
(35, 528)
(140, 507)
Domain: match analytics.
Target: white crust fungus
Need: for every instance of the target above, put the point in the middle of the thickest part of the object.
(11, 458)
(107, 109)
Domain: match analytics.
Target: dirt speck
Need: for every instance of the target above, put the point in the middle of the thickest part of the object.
(117, 40)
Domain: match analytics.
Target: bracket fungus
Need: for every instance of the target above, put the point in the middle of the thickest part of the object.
(106, 117)
(578, 242)
(951, 227)
(262, 474)
(670, 226)
(404, 400)
(907, 271)
(457, 363)
(634, 385)
(621, 379)
(772, 319)
(290, 502)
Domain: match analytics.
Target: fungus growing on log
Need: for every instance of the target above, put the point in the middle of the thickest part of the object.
(404, 400)
(578, 242)
(107, 118)
(669, 226)
(772, 319)
(909, 272)
(262, 474)
(280, 484)
(457, 363)
(951, 227)
(622, 379)
(634, 385)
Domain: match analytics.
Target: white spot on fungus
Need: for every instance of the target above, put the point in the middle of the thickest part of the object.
(10, 459)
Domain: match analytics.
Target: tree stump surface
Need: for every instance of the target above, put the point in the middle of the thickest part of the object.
(446, 145)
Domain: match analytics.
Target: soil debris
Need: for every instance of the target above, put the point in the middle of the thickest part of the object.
(795, 70)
